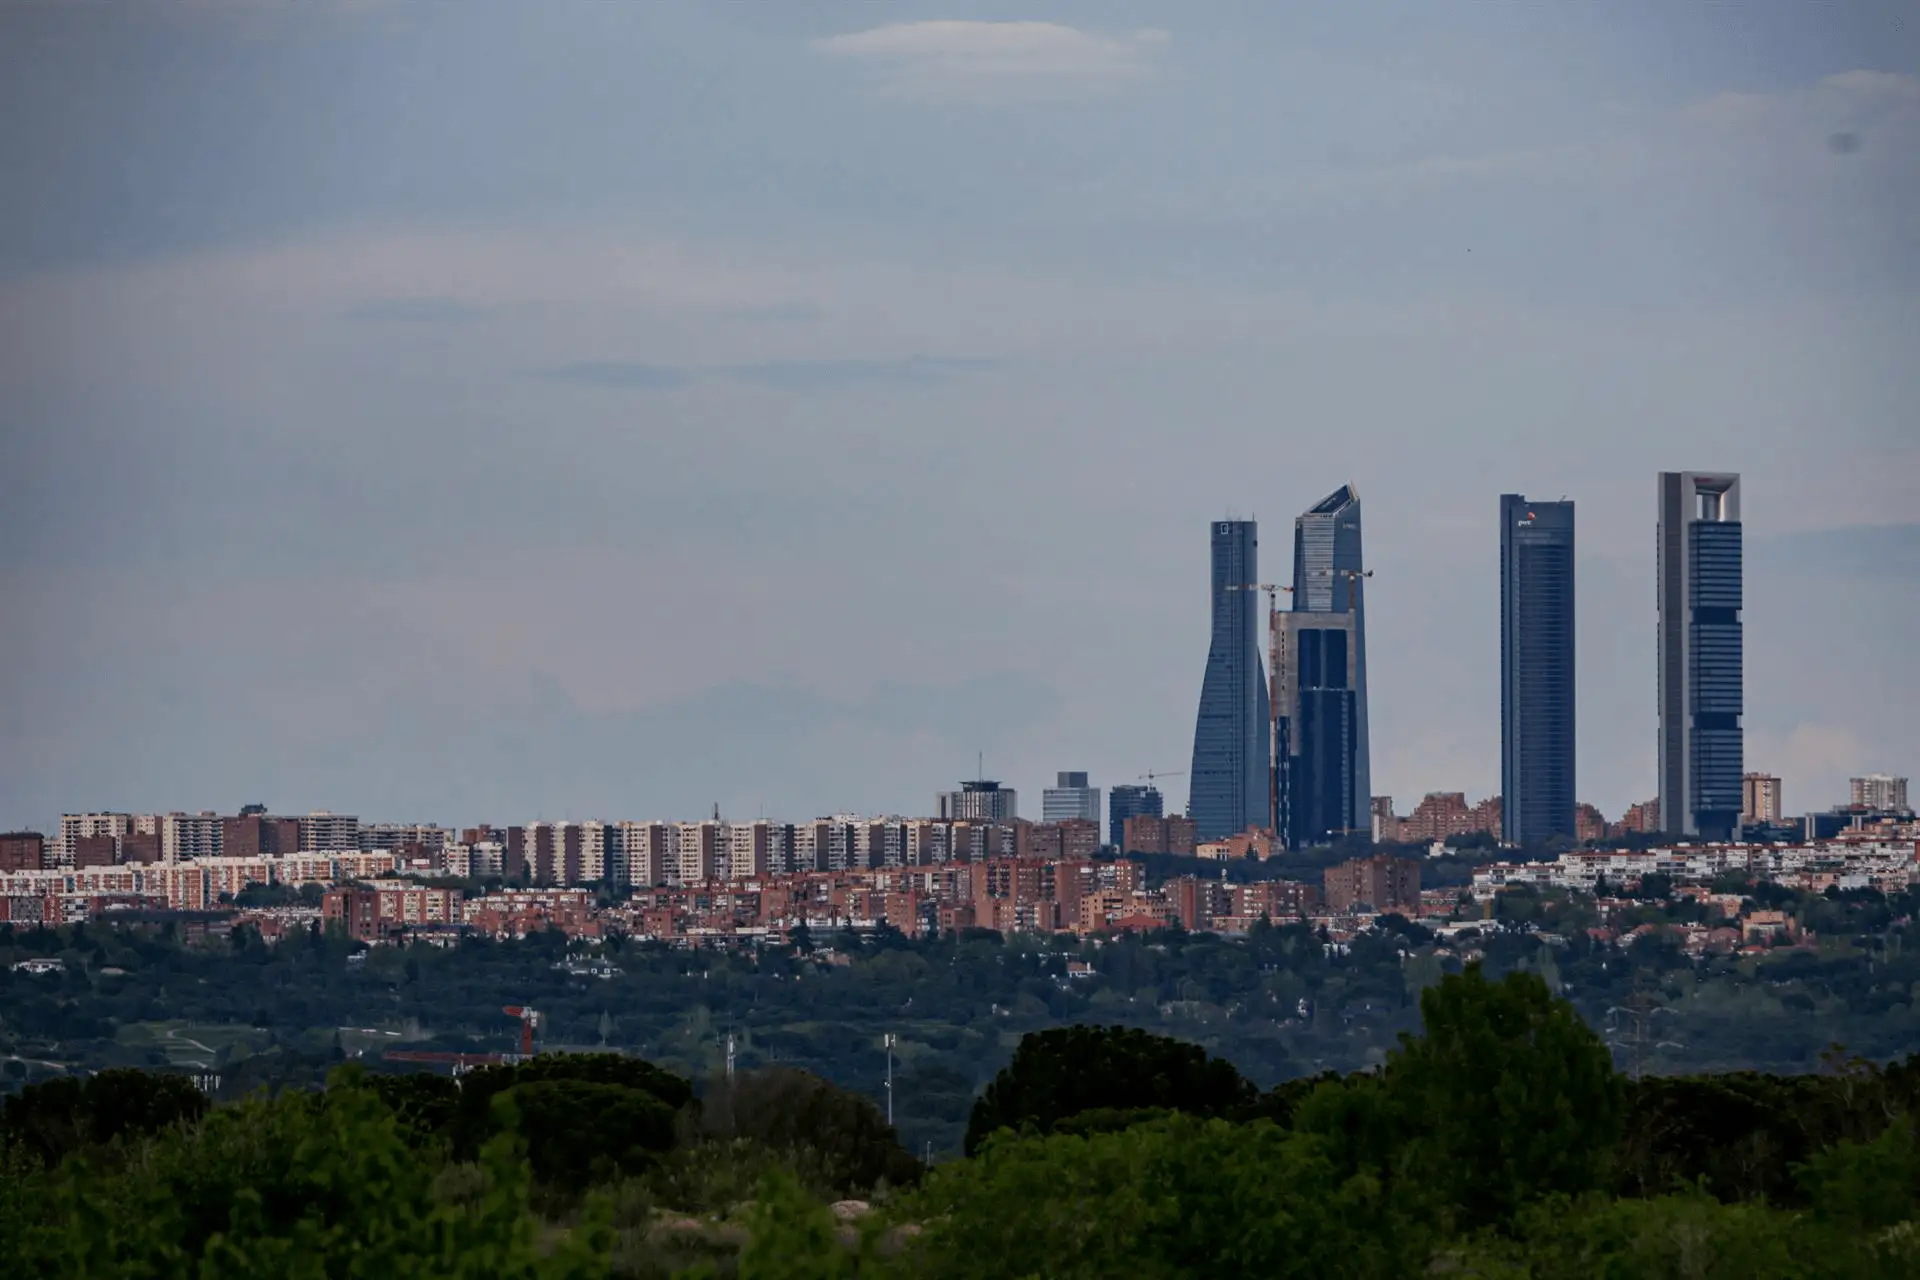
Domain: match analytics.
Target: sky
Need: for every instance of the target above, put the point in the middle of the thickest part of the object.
(497, 411)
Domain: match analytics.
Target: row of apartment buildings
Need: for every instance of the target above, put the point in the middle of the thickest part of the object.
(1889, 865)
(1004, 894)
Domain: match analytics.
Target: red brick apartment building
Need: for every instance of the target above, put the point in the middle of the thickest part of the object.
(1383, 882)
(22, 851)
(1148, 834)
(376, 913)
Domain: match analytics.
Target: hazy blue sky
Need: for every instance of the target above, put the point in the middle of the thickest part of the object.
(488, 411)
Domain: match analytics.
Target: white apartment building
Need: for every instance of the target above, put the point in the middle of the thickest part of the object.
(700, 850)
(75, 825)
(644, 853)
(749, 849)
(321, 830)
(392, 835)
(1880, 791)
(188, 837)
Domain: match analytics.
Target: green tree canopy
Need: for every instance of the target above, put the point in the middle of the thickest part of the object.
(1061, 1072)
(58, 1117)
(1505, 1097)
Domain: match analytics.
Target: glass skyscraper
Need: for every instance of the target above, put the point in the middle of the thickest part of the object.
(1130, 801)
(1229, 778)
(1536, 669)
(1701, 656)
(1321, 781)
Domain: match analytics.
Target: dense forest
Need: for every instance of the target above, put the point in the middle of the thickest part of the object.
(1498, 1139)
(1282, 1003)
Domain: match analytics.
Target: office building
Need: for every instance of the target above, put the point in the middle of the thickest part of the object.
(1701, 675)
(1229, 782)
(1070, 798)
(1321, 786)
(982, 800)
(1536, 670)
(1130, 800)
(1760, 799)
(1879, 792)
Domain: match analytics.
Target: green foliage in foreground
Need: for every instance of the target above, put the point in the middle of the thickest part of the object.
(1498, 1145)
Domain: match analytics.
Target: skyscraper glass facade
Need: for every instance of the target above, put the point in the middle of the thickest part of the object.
(1322, 779)
(1702, 661)
(1070, 798)
(1230, 776)
(1536, 669)
(1131, 801)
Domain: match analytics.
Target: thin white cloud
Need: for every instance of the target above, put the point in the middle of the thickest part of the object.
(991, 62)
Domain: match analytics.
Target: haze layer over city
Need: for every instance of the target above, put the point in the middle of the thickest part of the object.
(455, 415)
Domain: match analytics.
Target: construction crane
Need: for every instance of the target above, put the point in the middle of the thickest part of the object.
(529, 1019)
(461, 1062)
(1151, 774)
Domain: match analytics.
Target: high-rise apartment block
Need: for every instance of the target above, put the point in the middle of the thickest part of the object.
(1760, 799)
(1536, 670)
(1322, 779)
(1070, 798)
(75, 825)
(22, 851)
(187, 837)
(1228, 784)
(252, 835)
(1382, 882)
(982, 800)
(1144, 834)
(1879, 791)
(321, 831)
(1702, 667)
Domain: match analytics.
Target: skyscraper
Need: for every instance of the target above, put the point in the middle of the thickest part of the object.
(1536, 669)
(1322, 784)
(1130, 800)
(1230, 776)
(1070, 798)
(1701, 660)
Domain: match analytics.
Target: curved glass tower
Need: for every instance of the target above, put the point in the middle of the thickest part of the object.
(1322, 785)
(1230, 775)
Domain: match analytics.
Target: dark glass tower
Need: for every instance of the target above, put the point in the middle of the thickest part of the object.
(1701, 659)
(1129, 801)
(1536, 669)
(1229, 778)
(1322, 783)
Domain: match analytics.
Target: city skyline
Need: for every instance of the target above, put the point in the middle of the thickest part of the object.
(683, 404)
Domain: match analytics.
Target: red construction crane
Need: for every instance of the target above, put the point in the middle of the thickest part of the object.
(529, 1019)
